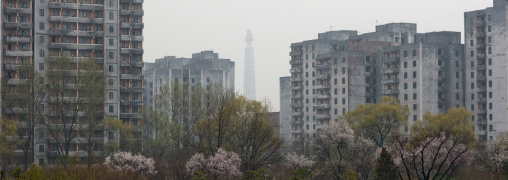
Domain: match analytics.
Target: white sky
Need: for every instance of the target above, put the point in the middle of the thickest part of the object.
(182, 27)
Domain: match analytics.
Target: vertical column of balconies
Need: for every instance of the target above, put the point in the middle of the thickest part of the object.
(481, 73)
(131, 60)
(296, 92)
(17, 52)
(441, 81)
(323, 90)
(391, 64)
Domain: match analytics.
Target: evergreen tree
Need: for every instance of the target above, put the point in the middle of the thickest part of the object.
(385, 169)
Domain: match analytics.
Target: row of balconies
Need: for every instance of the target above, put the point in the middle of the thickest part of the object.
(296, 70)
(17, 53)
(296, 105)
(129, 25)
(76, 46)
(130, 115)
(296, 87)
(323, 106)
(10, 10)
(131, 76)
(323, 66)
(391, 60)
(132, 12)
(323, 116)
(296, 79)
(297, 96)
(17, 39)
(297, 61)
(131, 89)
(296, 122)
(131, 1)
(391, 70)
(80, 6)
(481, 78)
(481, 56)
(17, 25)
(323, 96)
(323, 76)
(323, 86)
(131, 38)
(131, 51)
(391, 91)
(131, 64)
(76, 19)
(62, 32)
(131, 102)
(16, 67)
(17, 81)
(390, 81)
(295, 53)
(297, 113)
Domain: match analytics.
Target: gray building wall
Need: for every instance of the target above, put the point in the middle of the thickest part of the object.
(285, 110)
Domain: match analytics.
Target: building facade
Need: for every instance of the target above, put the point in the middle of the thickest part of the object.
(108, 31)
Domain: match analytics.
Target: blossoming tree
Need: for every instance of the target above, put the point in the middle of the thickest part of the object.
(222, 165)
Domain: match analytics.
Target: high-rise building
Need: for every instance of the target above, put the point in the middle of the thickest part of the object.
(249, 83)
(109, 31)
(202, 69)
(340, 70)
(486, 62)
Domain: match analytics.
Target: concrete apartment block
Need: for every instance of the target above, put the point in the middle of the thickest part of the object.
(111, 32)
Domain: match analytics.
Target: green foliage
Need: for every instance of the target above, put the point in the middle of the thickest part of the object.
(378, 121)
(260, 174)
(386, 169)
(198, 175)
(349, 175)
(302, 173)
(32, 173)
(455, 124)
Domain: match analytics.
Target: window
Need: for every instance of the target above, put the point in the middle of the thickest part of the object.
(414, 63)
(335, 91)
(343, 100)
(405, 97)
(456, 63)
(457, 54)
(471, 43)
(111, 95)
(472, 96)
(414, 74)
(405, 64)
(111, 42)
(472, 53)
(83, 14)
(343, 60)
(405, 53)
(23, 5)
(472, 75)
(414, 85)
(111, 55)
(110, 68)
(489, 39)
(457, 96)
(41, 66)
(134, 97)
(41, 53)
(405, 75)
(343, 70)
(490, 83)
(343, 90)
(414, 52)
(490, 94)
(490, 105)
(111, 16)
(41, 148)
(335, 81)
(490, 72)
(490, 61)
(343, 80)
(111, 29)
(41, 12)
(415, 117)
(111, 109)
(405, 85)
(490, 116)
(490, 50)
(415, 96)
(489, 28)
(415, 107)
(472, 85)
(110, 82)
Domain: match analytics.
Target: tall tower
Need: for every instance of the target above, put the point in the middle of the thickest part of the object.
(249, 86)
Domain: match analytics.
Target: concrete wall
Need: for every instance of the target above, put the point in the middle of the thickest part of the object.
(285, 110)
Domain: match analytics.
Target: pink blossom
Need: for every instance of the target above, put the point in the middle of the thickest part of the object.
(223, 164)
(125, 161)
(293, 161)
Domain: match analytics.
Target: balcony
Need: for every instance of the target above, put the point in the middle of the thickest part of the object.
(441, 78)
(9, 10)
(297, 61)
(62, 32)
(391, 60)
(131, 38)
(296, 122)
(130, 115)
(296, 131)
(297, 96)
(323, 86)
(323, 96)
(391, 70)
(16, 67)
(481, 24)
(17, 39)
(481, 67)
(20, 25)
(131, 102)
(17, 82)
(132, 25)
(296, 87)
(76, 46)
(482, 111)
(131, 1)
(481, 78)
(131, 76)
(390, 81)
(296, 105)
(12, 96)
(482, 122)
(60, 5)
(480, 45)
(480, 35)
(391, 91)
(295, 53)
(17, 53)
(296, 70)
(482, 100)
(131, 89)
(296, 113)
(482, 89)
(323, 106)
(132, 13)
(131, 64)
(323, 66)
(76, 19)
(131, 51)
(323, 76)
(323, 116)
(296, 79)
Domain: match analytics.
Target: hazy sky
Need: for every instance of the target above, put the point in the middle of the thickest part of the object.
(182, 27)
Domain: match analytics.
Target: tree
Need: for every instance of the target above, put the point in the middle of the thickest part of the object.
(438, 145)
(8, 132)
(25, 104)
(496, 154)
(125, 161)
(339, 152)
(222, 165)
(378, 121)
(385, 168)
(76, 94)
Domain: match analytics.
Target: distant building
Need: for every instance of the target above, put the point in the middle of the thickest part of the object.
(203, 68)
(285, 110)
(275, 122)
(249, 83)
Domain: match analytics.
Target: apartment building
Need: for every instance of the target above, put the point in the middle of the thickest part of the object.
(340, 70)
(202, 69)
(109, 31)
(485, 69)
